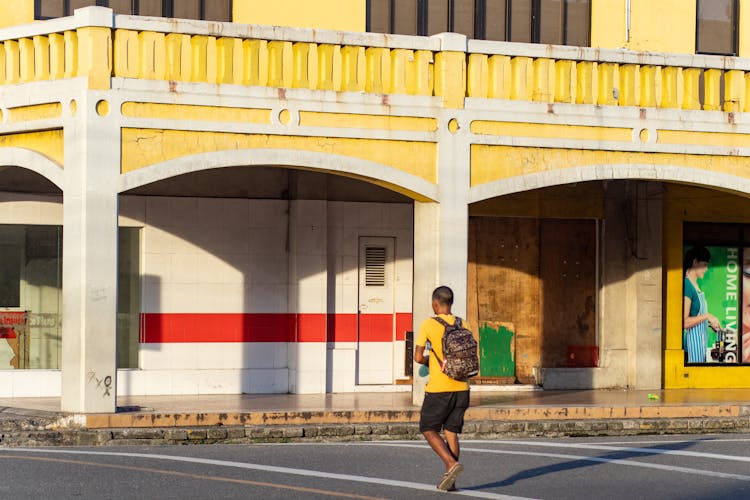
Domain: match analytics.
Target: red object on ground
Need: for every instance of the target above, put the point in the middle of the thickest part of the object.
(583, 356)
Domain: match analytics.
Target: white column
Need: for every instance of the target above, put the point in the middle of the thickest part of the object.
(646, 289)
(92, 165)
(441, 232)
(426, 272)
(308, 282)
(454, 170)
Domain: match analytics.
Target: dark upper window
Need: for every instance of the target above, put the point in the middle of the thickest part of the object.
(210, 10)
(563, 22)
(716, 27)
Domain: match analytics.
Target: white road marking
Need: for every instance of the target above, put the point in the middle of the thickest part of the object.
(661, 441)
(650, 451)
(583, 458)
(269, 468)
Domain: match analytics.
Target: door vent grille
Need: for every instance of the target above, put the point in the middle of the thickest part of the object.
(375, 266)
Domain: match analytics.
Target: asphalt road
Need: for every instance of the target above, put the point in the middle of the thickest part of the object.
(659, 467)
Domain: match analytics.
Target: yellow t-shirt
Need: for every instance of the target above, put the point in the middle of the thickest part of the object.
(433, 331)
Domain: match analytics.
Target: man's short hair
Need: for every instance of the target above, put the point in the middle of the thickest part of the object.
(443, 295)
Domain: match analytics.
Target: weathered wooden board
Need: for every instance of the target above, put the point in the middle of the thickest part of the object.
(568, 274)
(506, 284)
(539, 275)
(497, 349)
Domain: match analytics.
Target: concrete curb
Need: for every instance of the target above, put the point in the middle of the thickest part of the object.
(28, 433)
(410, 415)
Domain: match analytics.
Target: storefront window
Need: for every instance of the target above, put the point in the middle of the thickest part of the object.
(128, 297)
(716, 293)
(31, 297)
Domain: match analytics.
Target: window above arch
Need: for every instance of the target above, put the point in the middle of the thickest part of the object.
(716, 27)
(560, 22)
(209, 10)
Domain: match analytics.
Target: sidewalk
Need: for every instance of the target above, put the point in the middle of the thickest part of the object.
(524, 411)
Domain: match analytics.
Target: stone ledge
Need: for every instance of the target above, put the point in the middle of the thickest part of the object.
(485, 429)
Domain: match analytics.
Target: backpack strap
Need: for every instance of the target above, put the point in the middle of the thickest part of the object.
(446, 325)
(456, 324)
(441, 321)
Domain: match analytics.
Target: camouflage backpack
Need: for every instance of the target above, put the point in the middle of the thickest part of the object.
(460, 360)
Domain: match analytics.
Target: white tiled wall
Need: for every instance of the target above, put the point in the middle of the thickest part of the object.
(31, 383)
(347, 223)
(350, 221)
(205, 255)
(208, 255)
(21, 208)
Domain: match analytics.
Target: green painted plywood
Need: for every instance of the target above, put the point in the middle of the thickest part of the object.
(496, 350)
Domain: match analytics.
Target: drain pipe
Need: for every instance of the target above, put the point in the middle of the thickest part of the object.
(627, 21)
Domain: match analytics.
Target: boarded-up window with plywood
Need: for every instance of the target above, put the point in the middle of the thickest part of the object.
(504, 285)
(540, 276)
(567, 270)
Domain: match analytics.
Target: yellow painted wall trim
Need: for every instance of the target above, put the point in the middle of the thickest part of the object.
(494, 163)
(95, 56)
(724, 139)
(548, 131)
(35, 112)
(50, 143)
(382, 122)
(450, 78)
(566, 80)
(145, 147)
(191, 112)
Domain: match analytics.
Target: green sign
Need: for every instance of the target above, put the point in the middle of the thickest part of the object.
(721, 286)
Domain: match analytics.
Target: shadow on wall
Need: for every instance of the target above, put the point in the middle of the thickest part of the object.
(549, 272)
(217, 271)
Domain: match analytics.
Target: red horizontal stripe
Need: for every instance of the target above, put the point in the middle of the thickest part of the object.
(403, 325)
(342, 328)
(260, 327)
(311, 327)
(376, 328)
(192, 327)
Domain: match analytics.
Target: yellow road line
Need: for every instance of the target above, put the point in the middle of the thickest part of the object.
(192, 476)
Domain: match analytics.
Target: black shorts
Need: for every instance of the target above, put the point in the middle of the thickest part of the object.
(443, 410)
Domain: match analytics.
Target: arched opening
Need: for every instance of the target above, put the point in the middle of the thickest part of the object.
(30, 267)
(578, 283)
(254, 276)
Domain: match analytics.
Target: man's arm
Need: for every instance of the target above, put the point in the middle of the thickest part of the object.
(419, 356)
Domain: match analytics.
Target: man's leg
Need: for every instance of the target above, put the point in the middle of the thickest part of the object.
(442, 449)
(451, 439)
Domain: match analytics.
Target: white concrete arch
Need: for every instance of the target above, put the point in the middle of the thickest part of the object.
(36, 162)
(411, 185)
(634, 171)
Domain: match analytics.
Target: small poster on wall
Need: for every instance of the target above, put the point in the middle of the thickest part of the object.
(712, 290)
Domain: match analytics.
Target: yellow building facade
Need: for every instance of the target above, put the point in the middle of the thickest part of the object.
(263, 200)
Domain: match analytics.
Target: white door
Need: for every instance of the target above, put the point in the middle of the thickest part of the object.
(376, 318)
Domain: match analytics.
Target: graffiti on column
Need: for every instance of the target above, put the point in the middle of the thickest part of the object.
(104, 384)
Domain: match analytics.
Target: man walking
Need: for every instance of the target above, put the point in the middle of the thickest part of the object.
(446, 399)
